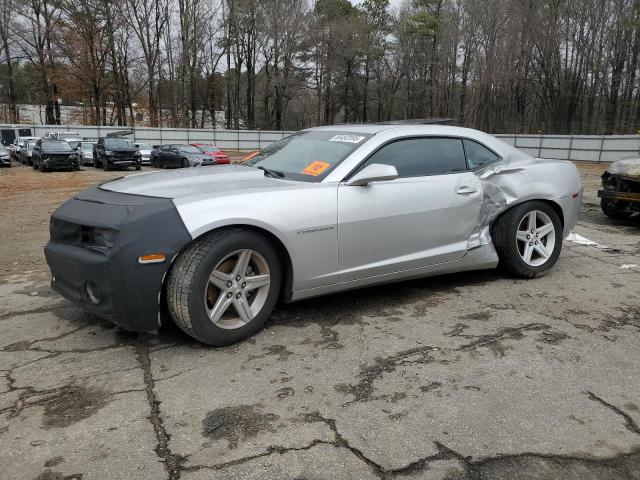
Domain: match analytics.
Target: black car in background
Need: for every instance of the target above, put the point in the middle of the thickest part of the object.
(116, 152)
(180, 156)
(54, 155)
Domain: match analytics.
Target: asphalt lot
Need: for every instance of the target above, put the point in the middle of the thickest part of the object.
(466, 376)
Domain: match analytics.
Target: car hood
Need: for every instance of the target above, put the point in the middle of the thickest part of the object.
(193, 182)
(57, 152)
(627, 166)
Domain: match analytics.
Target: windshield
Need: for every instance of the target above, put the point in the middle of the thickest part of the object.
(31, 145)
(56, 146)
(118, 143)
(73, 143)
(87, 146)
(308, 156)
(187, 149)
(208, 149)
(144, 146)
(3, 149)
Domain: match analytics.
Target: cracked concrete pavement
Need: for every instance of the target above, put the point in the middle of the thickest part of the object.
(467, 376)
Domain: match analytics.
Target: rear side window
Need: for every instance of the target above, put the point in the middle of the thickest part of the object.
(478, 156)
(418, 157)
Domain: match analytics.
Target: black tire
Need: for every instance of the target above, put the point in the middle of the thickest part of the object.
(105, 165)
(34, 165)
(615, 209)
(189, 278)
(42, 167)
(185, 163)
(138, 167)
(504, 239)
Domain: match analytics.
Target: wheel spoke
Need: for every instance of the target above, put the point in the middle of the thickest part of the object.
(545, 230)
(542, 250)
(522, 236)
(528, 251)
(531, 220)
(221, 306)
(257, 281)
(243, 263)
(220, 279)
(243, 308)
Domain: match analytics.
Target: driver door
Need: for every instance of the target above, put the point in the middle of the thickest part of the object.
(422, 218)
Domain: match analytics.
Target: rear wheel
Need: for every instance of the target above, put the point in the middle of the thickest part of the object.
(528, 239)
(185, 163)
(615, 209)
(224, 286)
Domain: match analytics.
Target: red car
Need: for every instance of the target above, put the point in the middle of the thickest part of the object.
(214, 152)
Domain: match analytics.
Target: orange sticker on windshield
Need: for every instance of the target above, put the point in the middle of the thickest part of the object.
(316, 168)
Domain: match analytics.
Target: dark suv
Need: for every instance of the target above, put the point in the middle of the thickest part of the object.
(116, 152)
(54, 155)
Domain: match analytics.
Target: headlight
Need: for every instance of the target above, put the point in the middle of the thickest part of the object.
(137, 154)
(108, 152)
(97, 237)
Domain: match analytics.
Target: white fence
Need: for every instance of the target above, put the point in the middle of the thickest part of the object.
(229, 139)
(590, 148)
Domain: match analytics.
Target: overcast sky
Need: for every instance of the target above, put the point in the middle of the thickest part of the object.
(394, 3)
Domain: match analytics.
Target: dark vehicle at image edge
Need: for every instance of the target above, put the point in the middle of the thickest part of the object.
(116, 152)
(54, 155)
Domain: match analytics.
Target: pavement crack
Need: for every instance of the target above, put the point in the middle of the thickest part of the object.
(630, 424)
(172, 462)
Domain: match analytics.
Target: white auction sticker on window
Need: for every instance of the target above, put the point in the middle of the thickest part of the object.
(347, 138)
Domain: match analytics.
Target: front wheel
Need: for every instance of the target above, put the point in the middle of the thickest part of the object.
(105, 165)
(224, 286)
(528, 239)
(185, 163)
(615, 209)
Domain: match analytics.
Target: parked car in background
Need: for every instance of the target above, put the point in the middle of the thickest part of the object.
(51, 154)
(116, 152)
(179, 156)
(324, 210)
(5, 157)
(15, 147)
(620, 194)
(66, 136)
(145, 152)
(25, 155)
(84, 150)
(214, 152)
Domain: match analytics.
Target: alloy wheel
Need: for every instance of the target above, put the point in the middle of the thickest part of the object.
(535, 238)
(241, 280)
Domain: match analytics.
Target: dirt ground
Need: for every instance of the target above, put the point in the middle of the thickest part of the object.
(467, 376)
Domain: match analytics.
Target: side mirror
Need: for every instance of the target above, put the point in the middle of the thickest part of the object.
(175, 150)
(376, 172)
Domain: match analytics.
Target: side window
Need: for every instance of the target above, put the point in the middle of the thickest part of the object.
(418, 157)
(478, 156)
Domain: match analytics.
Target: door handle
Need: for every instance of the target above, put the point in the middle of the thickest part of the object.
(465, 189)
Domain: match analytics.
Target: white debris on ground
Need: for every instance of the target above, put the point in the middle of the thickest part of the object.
(580, 240)
(628, 266)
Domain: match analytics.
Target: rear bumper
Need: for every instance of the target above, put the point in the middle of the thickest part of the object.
(110, 283)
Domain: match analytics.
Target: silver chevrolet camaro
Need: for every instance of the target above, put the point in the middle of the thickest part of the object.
(324, 210)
